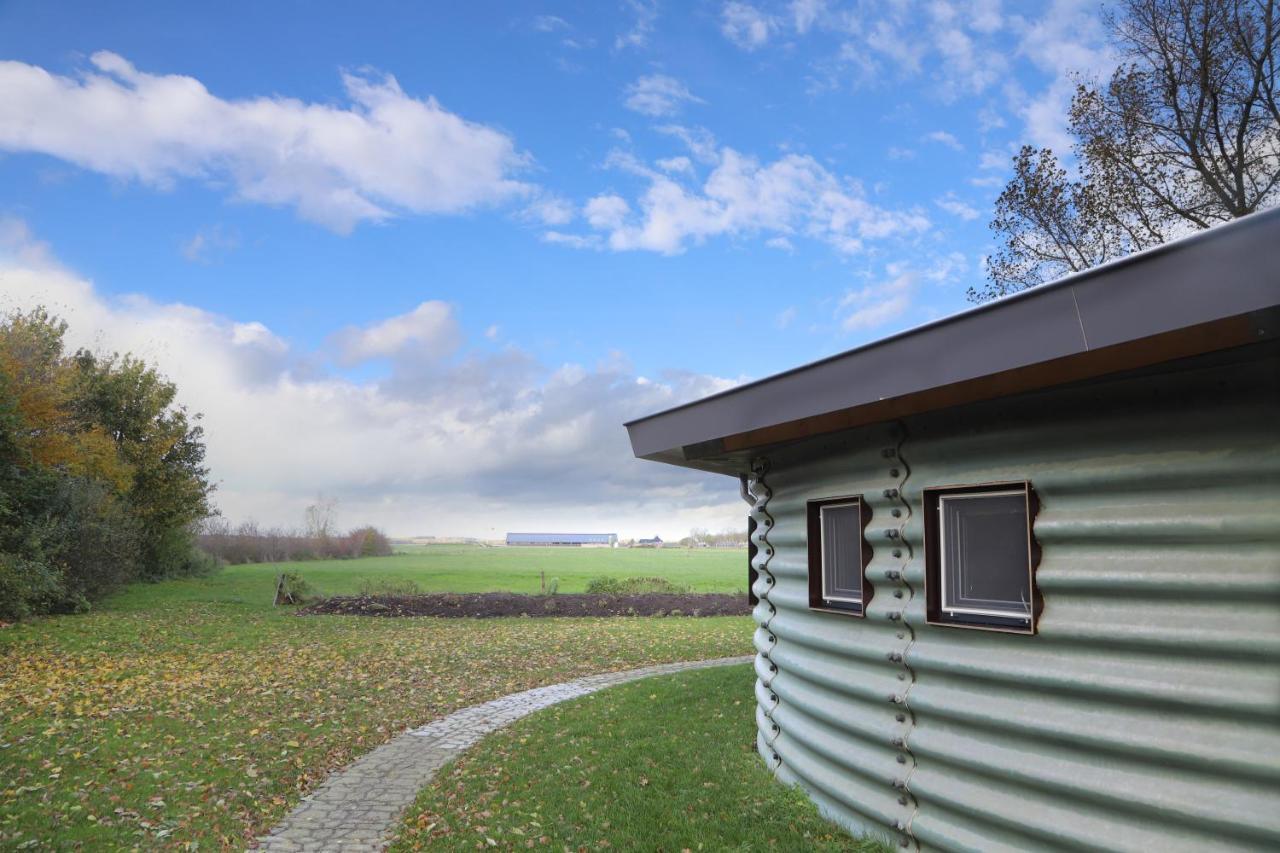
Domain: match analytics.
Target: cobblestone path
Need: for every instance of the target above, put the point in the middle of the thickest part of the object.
(357, 807)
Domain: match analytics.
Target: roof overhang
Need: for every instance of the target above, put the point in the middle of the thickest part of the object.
(1214, 290)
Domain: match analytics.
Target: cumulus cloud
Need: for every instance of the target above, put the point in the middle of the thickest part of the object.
(644, 14)
(942, 137)
(745, 25)
(876, 304)
(741, 196)
(429, 332)
(383, 154)
(957, 207)
(471, 443)
(658, 95)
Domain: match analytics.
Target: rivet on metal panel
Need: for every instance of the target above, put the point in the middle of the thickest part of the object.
(901, 636)
(902, 718)
(773, 697)
(891, 534)
(773, 667)
(894, 656)
(897, 593)
(902, 759)
(894, 617)
(897, 552)
(890, 493)
(902, 676)
(900, 784)
(897, 513)
(900, 826)
(904, 843)
(902, 801)
(888, 453)
(897, 741)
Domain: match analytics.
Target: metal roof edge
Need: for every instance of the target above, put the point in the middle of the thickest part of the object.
(1244, 223)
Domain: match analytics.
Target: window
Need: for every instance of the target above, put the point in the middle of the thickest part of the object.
(980, 556)
(837, 553)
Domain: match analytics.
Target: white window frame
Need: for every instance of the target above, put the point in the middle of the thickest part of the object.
(822, 541)
(944, 601)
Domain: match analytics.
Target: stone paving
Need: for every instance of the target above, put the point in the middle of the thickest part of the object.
(357, 807)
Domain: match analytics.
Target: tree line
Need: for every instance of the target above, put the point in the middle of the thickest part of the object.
(248, 543)
(103, 481)
(102, 474)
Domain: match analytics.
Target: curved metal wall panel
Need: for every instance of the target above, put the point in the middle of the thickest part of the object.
(1143, 715)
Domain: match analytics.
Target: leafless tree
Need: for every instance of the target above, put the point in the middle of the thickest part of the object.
(1186, 134)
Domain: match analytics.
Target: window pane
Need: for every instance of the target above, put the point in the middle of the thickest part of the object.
(985, 560)
(842, 553)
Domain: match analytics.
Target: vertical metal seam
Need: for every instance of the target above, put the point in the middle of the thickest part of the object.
(764, 553)
(902, 554)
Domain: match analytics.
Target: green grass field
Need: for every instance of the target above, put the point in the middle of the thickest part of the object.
(460, 568)
(192, 713)
(660, 764)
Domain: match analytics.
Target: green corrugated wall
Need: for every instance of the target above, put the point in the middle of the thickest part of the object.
(1144, 715)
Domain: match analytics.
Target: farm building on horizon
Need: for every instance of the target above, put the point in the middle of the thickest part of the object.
(561, 540)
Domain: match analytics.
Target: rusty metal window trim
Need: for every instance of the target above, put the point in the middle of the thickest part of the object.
(818, 599)
(937, 612)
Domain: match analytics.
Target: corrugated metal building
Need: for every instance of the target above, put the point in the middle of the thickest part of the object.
(574, 540)
(1019, 570)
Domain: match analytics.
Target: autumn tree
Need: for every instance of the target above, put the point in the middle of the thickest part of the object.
(1184, 135)
(101, 472)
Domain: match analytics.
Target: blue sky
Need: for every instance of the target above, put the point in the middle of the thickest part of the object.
(504, 227)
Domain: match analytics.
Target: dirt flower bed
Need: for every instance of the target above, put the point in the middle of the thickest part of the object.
(490, 604)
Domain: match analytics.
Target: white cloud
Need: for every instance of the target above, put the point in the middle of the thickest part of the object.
(644, 16)
(549, 23)
(675, 164)
(745, 25)
(472, 444)
(1068, 39)
(785, 317)
(957, 207)
(210, 244)
(793, 195)
(429, 332)
(804, 13)
(942, 137)
(876, 304)
(384, 154)
(574, 241)
(550, 210)
(658, 95)
(700, 141)
(606, 212)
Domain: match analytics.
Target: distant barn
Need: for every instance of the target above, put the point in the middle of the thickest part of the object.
(572, 540)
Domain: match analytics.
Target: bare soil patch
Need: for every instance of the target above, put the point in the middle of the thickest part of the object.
(484, 605)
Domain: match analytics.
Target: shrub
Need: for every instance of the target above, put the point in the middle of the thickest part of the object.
(292, 588)
(26, 586)
(633, 586)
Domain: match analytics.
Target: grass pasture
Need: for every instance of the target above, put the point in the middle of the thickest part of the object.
(665, 763)
(460, 568)
(191, 714)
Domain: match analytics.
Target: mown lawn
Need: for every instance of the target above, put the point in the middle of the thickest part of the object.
(666, 763)
(465, 568)
(192, 713)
